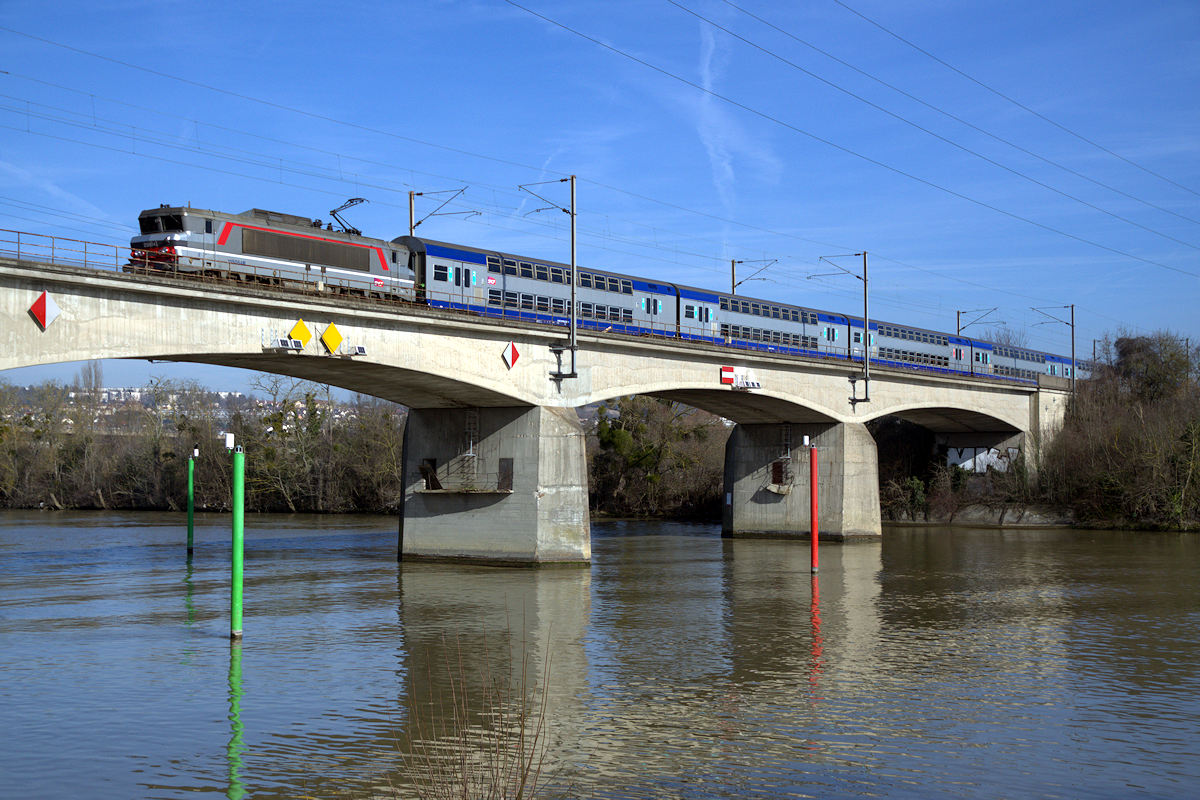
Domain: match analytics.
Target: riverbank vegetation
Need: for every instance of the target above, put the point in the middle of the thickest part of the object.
(59, 448)
(1128, 453)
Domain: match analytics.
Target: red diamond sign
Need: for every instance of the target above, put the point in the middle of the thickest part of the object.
(44, 310)
(511, 355)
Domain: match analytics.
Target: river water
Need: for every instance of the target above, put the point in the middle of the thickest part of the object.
(937, 663)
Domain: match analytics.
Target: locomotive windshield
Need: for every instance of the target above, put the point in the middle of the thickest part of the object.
(162, 223)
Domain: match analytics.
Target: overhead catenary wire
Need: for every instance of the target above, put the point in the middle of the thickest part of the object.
(961, 120)
(1015, 102)
(928, 131)
(847, 150)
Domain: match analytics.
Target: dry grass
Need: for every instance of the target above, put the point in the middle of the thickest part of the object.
(482, 737)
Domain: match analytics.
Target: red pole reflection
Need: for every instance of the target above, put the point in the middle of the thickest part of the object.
(816, 662)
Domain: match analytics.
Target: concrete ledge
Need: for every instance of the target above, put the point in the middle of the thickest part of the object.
(482, 561)
(822, 536)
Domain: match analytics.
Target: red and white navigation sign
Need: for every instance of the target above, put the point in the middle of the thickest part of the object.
(44, 310)
(511, 355)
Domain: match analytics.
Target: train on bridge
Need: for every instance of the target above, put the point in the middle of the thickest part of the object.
(268, 247)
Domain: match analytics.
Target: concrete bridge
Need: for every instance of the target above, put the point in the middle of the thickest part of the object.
(494, 452)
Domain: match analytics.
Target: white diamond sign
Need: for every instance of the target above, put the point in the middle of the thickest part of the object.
(511, 355)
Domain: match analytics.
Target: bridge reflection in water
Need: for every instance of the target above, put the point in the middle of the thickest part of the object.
(669, 650)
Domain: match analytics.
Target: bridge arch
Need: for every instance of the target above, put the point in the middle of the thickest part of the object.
(942, 418)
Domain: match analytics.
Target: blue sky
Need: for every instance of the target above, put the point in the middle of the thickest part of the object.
(985, 154)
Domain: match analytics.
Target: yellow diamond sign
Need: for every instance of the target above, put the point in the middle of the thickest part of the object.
(331, 338)
(300, 331)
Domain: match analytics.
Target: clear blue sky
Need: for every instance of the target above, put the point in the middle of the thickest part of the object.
(1008, 154)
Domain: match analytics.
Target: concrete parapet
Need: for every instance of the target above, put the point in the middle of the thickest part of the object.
(495, 485)
(767, 482)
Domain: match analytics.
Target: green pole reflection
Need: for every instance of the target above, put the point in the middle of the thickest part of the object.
(233, 753)
(188, 602)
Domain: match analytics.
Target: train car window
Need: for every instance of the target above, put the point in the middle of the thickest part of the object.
(585, 280)
(627, 315)
(556, 275)
(585, 310)
(495, 297)
(543, 303)
(626, 287)
(526, 269)
(558, 305)
(724, 303)
(541, 272)
(208, 228)
(510, 267)
(393, 256)
(601, 312)
(756, 309)
(441, 272)
(689, 312)
(776, 312)
(614, 285)
(725, 330)
(493, 264)
(527, 302)
(510, 299)
(706, 315)
(776, 337)
(458, 276)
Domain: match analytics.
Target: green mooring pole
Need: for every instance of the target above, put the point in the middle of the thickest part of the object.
(191, 502)
(236, 560)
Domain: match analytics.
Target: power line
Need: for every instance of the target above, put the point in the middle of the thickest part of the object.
(261, 101)
(960, 120)
(927, 131)
(1016, 103)
(843, 148)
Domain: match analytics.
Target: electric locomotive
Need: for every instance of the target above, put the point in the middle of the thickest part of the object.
(269, 247)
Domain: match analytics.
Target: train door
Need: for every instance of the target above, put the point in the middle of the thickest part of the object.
(208, 244)
(832, 337)
(657, 316)
(698, 320)
(465, 286)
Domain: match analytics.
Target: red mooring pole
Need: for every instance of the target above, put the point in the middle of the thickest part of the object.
(812, 493)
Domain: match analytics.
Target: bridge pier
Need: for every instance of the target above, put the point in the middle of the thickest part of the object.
(767, 482)
(496, 486)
